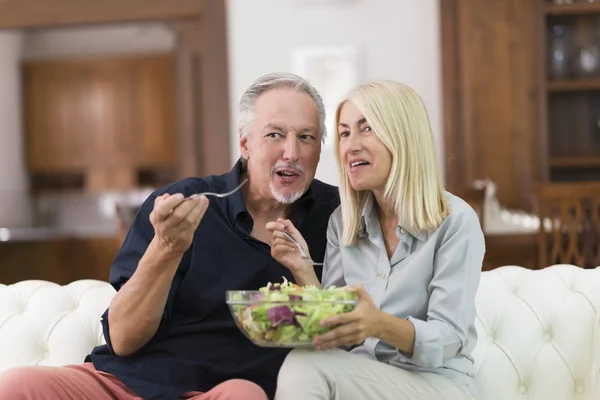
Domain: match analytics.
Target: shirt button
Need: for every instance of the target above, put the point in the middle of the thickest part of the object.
(402, 230)
(522, 389)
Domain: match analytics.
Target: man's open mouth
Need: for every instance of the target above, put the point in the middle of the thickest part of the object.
(287, 173)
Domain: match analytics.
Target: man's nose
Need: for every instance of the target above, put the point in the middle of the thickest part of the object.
(291, 150)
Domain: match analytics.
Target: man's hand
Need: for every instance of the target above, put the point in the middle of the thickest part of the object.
(175, 220)
(284, 250)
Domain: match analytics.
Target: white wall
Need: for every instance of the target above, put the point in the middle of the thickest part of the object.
(400, 40)
(14, 209)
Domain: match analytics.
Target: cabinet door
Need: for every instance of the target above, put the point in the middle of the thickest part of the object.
(110, 113)
(55, 104)
(490, 95)
(154, 111)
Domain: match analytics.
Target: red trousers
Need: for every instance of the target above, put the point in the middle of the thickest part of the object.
(84, 382)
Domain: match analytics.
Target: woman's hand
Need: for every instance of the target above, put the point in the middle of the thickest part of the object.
(284, 250)
(352, 327)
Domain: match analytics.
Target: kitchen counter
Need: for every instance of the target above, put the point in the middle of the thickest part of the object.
(33, 234)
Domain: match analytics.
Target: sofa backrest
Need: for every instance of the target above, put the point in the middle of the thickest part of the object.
(539, 331)
(42, 323)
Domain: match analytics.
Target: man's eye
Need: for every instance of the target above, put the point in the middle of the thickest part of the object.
(306, 138)
(274, 135)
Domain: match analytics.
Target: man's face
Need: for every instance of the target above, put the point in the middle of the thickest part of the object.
(283, 146)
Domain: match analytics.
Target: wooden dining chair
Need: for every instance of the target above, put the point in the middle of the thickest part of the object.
(474, 196)
(569, 231)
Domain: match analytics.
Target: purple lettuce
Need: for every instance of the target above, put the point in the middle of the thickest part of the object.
(281, 314)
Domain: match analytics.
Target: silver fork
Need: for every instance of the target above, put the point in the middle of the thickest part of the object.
(219, 194)
(305, 258)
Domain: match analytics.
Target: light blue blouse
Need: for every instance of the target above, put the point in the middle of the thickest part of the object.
(431, 280)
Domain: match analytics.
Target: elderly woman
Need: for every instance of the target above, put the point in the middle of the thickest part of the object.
(411, 251)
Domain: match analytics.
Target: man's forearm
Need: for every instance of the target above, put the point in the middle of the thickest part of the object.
(307, 278)
(136, 310)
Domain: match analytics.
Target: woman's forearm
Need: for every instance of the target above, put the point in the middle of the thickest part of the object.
(397, 332)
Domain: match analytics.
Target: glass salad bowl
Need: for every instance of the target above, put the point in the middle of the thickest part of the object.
(286, 315)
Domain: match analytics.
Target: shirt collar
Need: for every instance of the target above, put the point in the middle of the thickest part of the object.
(369, 221)
(235, 202)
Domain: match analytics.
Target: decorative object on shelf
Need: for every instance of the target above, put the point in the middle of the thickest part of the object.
(560, 52)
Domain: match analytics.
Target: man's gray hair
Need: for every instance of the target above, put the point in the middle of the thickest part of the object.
(276, 81)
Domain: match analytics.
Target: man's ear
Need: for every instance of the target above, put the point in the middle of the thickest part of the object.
(244, 146)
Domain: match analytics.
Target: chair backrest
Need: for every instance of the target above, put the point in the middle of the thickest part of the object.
(474, 196)
(569, 230)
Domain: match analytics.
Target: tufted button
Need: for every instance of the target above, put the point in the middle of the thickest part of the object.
(579, 389)
(522, 389)
(547, 337)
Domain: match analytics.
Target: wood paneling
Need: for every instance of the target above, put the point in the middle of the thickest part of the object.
(60, 260)
(490, 95)
(213, 88)
(511, 249)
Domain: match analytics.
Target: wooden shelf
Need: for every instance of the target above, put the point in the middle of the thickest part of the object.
(584, 161)
(575, 85)
(572, 9)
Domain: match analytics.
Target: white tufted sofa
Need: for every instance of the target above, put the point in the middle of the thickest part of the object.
(539, 331)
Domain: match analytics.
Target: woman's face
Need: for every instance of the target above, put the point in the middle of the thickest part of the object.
(363, 155)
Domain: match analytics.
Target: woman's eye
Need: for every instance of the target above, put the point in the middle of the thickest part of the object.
(344, 134)
(367, 129)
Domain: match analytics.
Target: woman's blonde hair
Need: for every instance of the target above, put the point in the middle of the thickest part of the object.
(398, 117)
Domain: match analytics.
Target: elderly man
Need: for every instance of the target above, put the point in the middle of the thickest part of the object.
(168, 329)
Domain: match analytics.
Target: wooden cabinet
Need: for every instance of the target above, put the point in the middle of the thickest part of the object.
(108, 119)
(491, 95)
(570, 91)
(55, 104)
(154, 116)
(521, 93)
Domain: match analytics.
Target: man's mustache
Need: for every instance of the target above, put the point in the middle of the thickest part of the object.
(292, 166)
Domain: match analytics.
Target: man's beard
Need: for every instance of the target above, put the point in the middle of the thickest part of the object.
(286, 198)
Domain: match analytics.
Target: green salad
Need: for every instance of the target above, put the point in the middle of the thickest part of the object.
(287, 314)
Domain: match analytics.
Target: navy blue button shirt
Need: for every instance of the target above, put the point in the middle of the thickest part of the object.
(198, 345)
